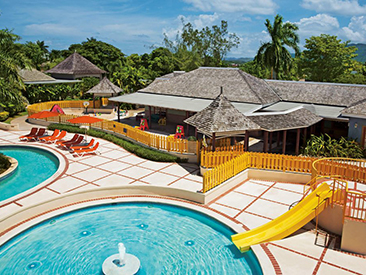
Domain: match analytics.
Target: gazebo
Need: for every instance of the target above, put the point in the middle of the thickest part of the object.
(105, 88)
(221, 119)
(75, 66)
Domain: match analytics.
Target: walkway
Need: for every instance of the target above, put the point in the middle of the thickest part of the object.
(250, 204)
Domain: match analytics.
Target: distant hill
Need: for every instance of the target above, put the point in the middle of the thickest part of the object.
(239, 60)
(361, 52)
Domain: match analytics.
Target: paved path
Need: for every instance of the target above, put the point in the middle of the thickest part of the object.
(252, 203)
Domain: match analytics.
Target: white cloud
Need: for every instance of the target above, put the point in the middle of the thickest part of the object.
(51, 29)
(341, 7)
(356, 29)
(234, 6)
(318, 24)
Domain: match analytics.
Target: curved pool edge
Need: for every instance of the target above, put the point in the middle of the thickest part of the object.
(13, 166)
(63, 165)
(265, 258)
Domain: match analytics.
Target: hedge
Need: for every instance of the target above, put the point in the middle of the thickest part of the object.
(4, 163)
(143, 152)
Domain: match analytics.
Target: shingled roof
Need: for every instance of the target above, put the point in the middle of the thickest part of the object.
(203, 82)
(75, 64)
(105, 88)
(319, 93)
(34, 76)
(221, 117)
(358, 109)
(291, 119)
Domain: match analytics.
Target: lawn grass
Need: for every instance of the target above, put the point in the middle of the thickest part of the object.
(141, 151)
(9, 119)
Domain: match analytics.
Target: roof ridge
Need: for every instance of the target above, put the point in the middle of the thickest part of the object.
(241, 73)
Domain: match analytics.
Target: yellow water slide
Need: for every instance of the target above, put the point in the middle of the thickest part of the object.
(307, 209)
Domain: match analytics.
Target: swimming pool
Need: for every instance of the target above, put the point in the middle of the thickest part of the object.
(167, 239)
(35, 165)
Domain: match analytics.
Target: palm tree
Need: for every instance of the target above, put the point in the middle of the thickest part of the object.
(274, 54)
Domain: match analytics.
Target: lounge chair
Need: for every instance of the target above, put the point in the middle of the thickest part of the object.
(46, 138)
(32, 132)
(82, 152)
(57, 138)
(80, 147)
(74, 138)
(40, 133)
(67, 145)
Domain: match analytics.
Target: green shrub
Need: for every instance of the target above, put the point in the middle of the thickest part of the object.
(4, 163)
(192, 138)
(325, 146)
(4, 115)
(143, 152)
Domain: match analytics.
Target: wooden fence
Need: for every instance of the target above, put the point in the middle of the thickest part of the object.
(168, 143)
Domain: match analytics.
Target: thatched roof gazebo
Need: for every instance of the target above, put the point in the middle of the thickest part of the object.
(105, 88)
(75, 66)
(221, 119)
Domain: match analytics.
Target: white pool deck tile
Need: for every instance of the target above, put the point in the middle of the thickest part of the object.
(252, 203)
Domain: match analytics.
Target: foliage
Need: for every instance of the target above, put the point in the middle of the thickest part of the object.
(253, 68)
(325, 146)
(326, 58)
(192, 138)
(4, 115)
(274, 54)
(130, 79)
(4, 163)
(206, 47)
(37, 53)
(136, 149)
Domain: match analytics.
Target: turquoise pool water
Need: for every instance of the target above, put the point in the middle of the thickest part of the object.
(166, 239)
(34, 166)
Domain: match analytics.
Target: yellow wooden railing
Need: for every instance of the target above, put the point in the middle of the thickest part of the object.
(168, 143)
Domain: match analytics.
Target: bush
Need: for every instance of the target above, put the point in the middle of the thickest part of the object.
(4, 115)
(191, 138)
(325, 146)
(4, 163)
(143, 152)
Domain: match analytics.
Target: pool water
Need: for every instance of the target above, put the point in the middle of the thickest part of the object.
(34, 166)
(167, 240)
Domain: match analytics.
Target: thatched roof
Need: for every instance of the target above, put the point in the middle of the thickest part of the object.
(291, 119)
(358, 109)
(105, 88)
(319, 93)
(221, 117)
(34, 76)
(76, 64)
(205, 82)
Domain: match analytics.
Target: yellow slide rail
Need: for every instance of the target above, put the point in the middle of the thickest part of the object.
(168, 143)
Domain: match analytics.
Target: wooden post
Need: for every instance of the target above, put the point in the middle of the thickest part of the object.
(284, 142)
(270, 141)
(265, 141)
(195, 133)
(278, 138)
(304, 139)
(298, 131)
(150, 117)
(213, 142)
(94, 102)
(118, 114)
(246, 141)
(187, 125)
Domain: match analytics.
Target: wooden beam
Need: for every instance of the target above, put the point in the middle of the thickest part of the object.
(213, 142)
(305, 136)
(284, 142)
(246, 141)
(278, 138)
(118, 114)
(270, 141)
(265, 141)
(297, 150)
(195, 133)
(187, 125)
(150, 117)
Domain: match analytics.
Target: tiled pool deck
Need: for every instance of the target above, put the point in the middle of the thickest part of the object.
(251, 204)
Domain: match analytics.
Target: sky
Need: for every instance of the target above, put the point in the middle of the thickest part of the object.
(137, 26)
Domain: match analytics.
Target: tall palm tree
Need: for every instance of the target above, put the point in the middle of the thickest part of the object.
(274, 54)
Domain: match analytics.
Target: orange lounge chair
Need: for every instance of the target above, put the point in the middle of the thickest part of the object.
(74, 138)
(57, 138)
(46, 138)
(87, 146)
(67, 145)
(41, 132)
(82, 152)
(32, 132)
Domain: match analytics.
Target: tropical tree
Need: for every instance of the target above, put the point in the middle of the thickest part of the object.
(274, 54)
(326, 58)
(37, 53)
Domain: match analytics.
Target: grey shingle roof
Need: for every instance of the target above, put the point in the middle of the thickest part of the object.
(75, 64)
(34, 76)
(206, 82)
(220, 117)
(105, 86)
(357, 109)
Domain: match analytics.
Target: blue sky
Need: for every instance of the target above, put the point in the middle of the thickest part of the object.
(134, 26)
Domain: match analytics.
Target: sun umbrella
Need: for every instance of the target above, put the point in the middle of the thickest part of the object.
(85, 120)
(44, 114)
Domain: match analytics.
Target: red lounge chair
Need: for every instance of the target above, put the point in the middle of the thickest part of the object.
(57, 138)
(83, 152)
(74, 138)
(41, 132)
(69, 144)
(31, 133)
(46, 138)
(87, 146)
